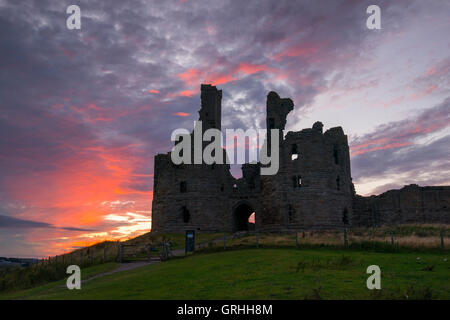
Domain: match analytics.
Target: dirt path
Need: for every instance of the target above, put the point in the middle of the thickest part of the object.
(123, 267)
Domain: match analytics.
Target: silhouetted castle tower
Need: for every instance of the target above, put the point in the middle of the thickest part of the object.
(313, 188)
(193, 196)
(211, 110)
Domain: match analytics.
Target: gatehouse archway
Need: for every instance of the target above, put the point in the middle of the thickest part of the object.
(241, 215)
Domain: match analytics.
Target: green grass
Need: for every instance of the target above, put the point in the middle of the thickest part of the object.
(57, 286)
(416, 239)
(268, 274)
(28, 277)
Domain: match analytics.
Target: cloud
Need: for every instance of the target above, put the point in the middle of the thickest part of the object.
(7, 222)
(181, 114)
(403, 133)
(414, 150)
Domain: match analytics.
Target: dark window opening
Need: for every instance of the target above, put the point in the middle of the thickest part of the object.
(222, 187)
(345, 216)
(186, 214)
(297, 181)
(294, 149)
(336, 155)
(271, 123)
(294, 152)
(183, 186)
(338, 183)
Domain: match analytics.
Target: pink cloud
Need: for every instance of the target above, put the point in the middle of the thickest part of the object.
(302, 50)
(187, 93)
(181, 114)
(403, 133)
(249, 68)
(387, 146)
(192, 77)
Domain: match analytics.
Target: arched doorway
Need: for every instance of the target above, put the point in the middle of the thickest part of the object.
(241, 215)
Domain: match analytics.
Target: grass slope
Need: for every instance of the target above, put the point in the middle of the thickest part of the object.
(268, 274)
(58, 286)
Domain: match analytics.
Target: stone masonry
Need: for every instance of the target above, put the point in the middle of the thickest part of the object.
(313, 188)
(411, 204)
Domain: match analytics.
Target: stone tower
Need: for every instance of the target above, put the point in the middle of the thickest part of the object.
(193, 196)
(313, 187)
(211, 109)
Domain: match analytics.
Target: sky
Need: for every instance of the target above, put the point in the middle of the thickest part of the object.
(83, 112)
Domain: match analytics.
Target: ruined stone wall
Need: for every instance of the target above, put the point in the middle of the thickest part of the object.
(313, 187)
(210, 194)
(200, 196)
(203, 190)
(411, 204)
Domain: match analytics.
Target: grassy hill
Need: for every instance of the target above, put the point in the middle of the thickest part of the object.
(400, 242)
(283, 273)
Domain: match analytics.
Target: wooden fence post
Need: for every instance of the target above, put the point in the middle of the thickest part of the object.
(303, 234)
(164, 251)
(120, 248)
(257, 240)
(442, 240)
(224, 242)
(345, 238)
(296, 239)
(392, 238)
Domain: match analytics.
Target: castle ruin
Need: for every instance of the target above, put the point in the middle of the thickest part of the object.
(313, 188)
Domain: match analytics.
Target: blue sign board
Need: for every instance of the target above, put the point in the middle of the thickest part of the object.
(190, 241)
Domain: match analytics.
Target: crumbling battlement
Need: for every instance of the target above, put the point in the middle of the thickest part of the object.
(312, 189)
(277, 110)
